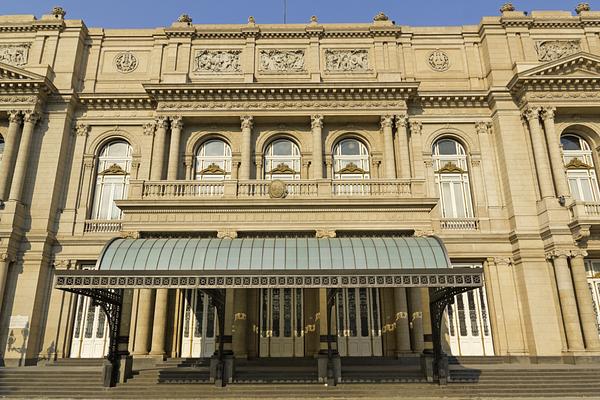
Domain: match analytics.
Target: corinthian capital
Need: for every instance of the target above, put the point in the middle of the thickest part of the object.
(387, 121)
(247, 121)
(558, 253)
(162, 122)
(401, 121)
(579, 253)
(416, 127)
(15, 117)
(316, 121)
(548, 113)
(31, 117)
(531, 113)
(176, 122)
(149, 128)
(82, 129)
(482, 127)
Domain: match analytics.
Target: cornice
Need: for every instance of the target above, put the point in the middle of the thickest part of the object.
(110, 101)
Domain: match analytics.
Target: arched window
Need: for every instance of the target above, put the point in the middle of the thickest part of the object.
(579, 163)
(452, 179)
(282, 160)
(1, 147)
(112, 179)
(350, 160)
(213, 160)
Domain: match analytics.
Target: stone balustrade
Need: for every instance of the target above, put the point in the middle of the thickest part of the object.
(102, 226)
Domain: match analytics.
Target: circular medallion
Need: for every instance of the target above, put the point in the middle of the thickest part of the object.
(126, 62)
(439, 61)
(277, 189)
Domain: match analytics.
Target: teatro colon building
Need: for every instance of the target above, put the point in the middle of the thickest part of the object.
(314, 191)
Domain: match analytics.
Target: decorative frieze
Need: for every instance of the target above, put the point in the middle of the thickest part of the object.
(347, 60)
(281, 60)
(438, 60)
(126, 62)
(551, 50)
(217, 61)
(278, 105)
(14, 54)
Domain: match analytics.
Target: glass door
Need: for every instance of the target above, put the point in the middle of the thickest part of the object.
(358, 322)
(282, 323)
(90, 333)
(199, 325)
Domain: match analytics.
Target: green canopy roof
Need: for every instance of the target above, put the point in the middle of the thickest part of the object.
(282, 254)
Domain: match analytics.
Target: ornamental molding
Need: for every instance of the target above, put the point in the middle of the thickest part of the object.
(347, 60)
(213, 169)
(227, 234)
(114, 169)
(281, 60)
(450, 168)
(278, 105)
(576, 163)
(15, 54)
(129, 234)
(282, 169)
(438, 60)
(126, 62)
(552, 50)
(217, 61)
(325, 233)
(351, 168)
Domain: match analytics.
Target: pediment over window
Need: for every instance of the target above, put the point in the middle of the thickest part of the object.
(17, 79)
(580, 68)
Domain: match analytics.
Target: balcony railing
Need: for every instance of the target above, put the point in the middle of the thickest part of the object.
(459, 224)
(170, 190)
(581, 210)
(102, 226)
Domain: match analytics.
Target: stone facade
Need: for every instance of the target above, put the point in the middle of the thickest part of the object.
(505, 89)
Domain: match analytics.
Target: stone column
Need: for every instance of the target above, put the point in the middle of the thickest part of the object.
(160, 323)
(484, 130)
(173, 169)
(11, 144)
(387, 121)
(416, 320)
(558, 169)
(584, 301)
(317, 146)
(539, 152)
(247, 122)
(158, 158)
(402, 328)
(416, 147)
(402, 136)
(22, 163)
(568, 303)
(144, 322)
(240, 323)
(322, 325)
(5, 261)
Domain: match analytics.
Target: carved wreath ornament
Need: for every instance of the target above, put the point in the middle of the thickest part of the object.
(126, 62)
(438, 60)
(277, 189)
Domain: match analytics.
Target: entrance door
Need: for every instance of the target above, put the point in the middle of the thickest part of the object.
(90, 333)
(282, 323)
(199, 325)
(468, 325)
(358, 322)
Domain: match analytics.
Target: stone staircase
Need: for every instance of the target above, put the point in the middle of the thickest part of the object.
(297, 378)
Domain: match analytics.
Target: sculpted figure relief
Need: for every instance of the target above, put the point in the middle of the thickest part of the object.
(217, 61)
(346, 60)
(555, 49)
(439, 61)
(282, 60)
(14, 54)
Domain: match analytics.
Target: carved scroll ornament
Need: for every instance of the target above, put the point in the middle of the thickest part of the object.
(551, 50)
(126, 62)
(217, 61)
(281, 60)
(347, 60)
(14, 54)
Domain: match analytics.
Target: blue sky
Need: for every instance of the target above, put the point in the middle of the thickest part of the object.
(150, 13)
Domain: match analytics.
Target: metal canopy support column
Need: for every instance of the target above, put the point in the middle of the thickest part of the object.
(439, 299)
(111, 302)
(221, 376)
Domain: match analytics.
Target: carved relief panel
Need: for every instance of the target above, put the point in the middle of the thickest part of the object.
(14, 54)
(211, 61)
(551, 50)
(281, 60)
(350, 60)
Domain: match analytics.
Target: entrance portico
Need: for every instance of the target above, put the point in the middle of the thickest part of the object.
(287, 270)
